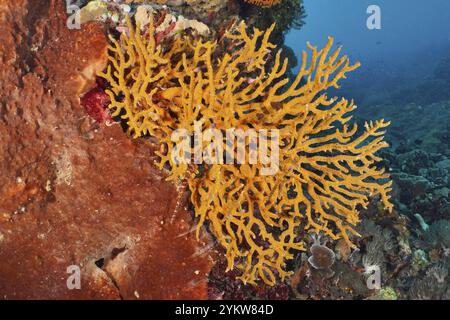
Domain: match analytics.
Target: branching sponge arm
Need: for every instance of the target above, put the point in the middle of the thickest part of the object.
(326, 171)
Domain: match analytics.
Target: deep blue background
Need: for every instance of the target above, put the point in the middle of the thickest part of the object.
(414, 35)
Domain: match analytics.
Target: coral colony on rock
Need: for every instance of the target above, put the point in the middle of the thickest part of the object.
(273, 185)
(323, 168)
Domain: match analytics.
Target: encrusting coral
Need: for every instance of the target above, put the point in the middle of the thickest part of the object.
(326, 172)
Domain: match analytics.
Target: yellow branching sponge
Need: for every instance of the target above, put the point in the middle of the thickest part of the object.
(264, 3)
(326, 173)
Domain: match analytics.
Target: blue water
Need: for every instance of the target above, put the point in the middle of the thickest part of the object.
(408, 28)
(413, 39)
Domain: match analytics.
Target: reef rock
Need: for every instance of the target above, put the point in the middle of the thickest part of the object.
(74, 193)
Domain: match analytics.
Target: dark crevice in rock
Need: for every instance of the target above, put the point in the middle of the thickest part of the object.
(33, 22)
(114, 282)
(26, 38)
(116, 251)
(102, 264)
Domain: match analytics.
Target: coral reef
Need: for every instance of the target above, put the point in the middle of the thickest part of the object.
(135, 239)
(264, 3)
(225, 284)
(287, 15)
(432, 286)
(423, 183)
(215, 13)
(380, 243)
(439, 234)
(419, 165)
(326, 172)
(387, 293)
